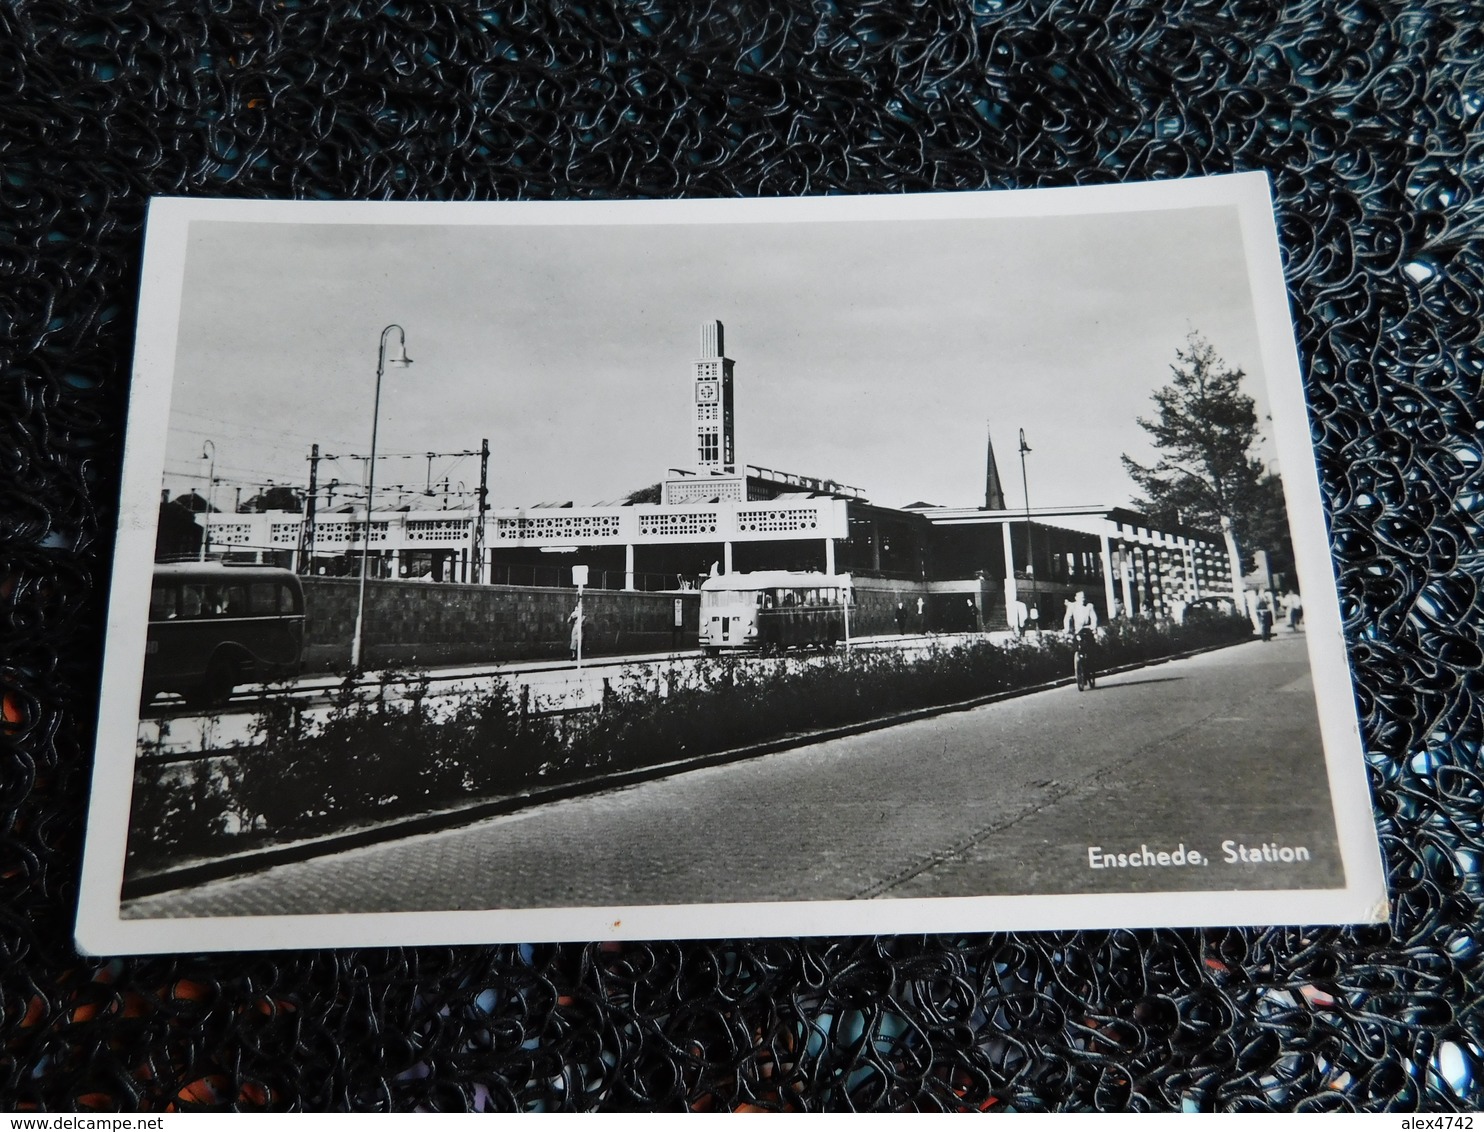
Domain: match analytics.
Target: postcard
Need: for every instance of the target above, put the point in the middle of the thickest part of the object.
(515, 572)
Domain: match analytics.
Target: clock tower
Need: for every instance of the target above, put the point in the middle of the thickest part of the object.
(715, 444)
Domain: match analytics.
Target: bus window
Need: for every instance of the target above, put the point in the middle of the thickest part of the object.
(216, 601)
(192, 601)
(268, 599)
(164, 603)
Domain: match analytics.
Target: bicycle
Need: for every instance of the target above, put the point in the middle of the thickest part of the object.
(1082, 665)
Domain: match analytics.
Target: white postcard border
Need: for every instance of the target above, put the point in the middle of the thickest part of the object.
(102, 930)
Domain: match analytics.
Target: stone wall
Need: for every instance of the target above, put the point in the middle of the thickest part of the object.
(875, 611)
(425, 624)
(942, 612)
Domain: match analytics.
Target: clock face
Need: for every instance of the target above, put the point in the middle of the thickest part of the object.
(705, 391)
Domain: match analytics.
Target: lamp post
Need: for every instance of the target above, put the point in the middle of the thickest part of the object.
(210, 486)
(401, 361)
(1030, 558)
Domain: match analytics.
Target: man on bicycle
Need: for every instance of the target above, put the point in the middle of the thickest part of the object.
(1080, 624)
(1081, 614)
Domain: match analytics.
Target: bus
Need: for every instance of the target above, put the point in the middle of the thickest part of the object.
(774, 610)
(213, 626)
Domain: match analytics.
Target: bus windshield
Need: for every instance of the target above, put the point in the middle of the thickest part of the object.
(714, 599)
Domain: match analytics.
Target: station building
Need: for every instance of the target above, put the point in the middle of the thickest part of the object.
(919, 568)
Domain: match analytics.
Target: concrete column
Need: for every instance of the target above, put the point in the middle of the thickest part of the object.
(829, 556)
(1012, 590)
(1010, 586)
(628, 566)
(396, 557)
(726, 558)
(1127, 577)
(1107, 551)
(1233, 563)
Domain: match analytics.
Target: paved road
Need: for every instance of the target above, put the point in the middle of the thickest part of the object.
(1005, 798)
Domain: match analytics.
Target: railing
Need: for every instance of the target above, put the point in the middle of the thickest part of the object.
(759, 520)
(560, 577)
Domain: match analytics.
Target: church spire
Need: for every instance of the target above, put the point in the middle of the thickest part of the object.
(994, 491)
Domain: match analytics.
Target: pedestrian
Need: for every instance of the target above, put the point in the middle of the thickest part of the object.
(1293, 607)
(1019, 616)
(1265, 616)
(901, 617)
(575, 619)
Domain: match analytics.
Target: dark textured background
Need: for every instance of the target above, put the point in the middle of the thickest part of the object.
(1367, 117)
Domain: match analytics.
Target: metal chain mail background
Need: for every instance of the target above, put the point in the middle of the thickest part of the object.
(1367, 116)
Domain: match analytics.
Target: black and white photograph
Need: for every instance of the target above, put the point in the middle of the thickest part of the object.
(519, 572)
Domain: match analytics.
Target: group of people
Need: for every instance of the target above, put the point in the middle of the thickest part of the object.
(904, 615)
(1265, 607)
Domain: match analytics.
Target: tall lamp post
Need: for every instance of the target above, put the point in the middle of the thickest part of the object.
(210, 490)
(401, 361)
(1030, 558)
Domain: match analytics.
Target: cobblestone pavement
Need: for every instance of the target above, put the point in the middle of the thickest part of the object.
(1005, 798)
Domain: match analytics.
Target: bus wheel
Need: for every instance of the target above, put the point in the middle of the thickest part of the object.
(217, 685)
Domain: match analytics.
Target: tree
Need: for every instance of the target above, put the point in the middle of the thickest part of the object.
(280, 498)
(193, 503)
(650, 494)
(1205, 428)
(178, 535)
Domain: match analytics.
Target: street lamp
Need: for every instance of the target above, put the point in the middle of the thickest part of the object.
(401, 361)
(1030, 559)
(210, 486)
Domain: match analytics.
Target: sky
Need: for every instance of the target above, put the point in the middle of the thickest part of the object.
(876, 354)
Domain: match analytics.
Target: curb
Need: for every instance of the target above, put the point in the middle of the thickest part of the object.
(257, 860)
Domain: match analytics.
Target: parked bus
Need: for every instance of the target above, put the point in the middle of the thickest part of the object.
(214, 626)
(774, 610)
